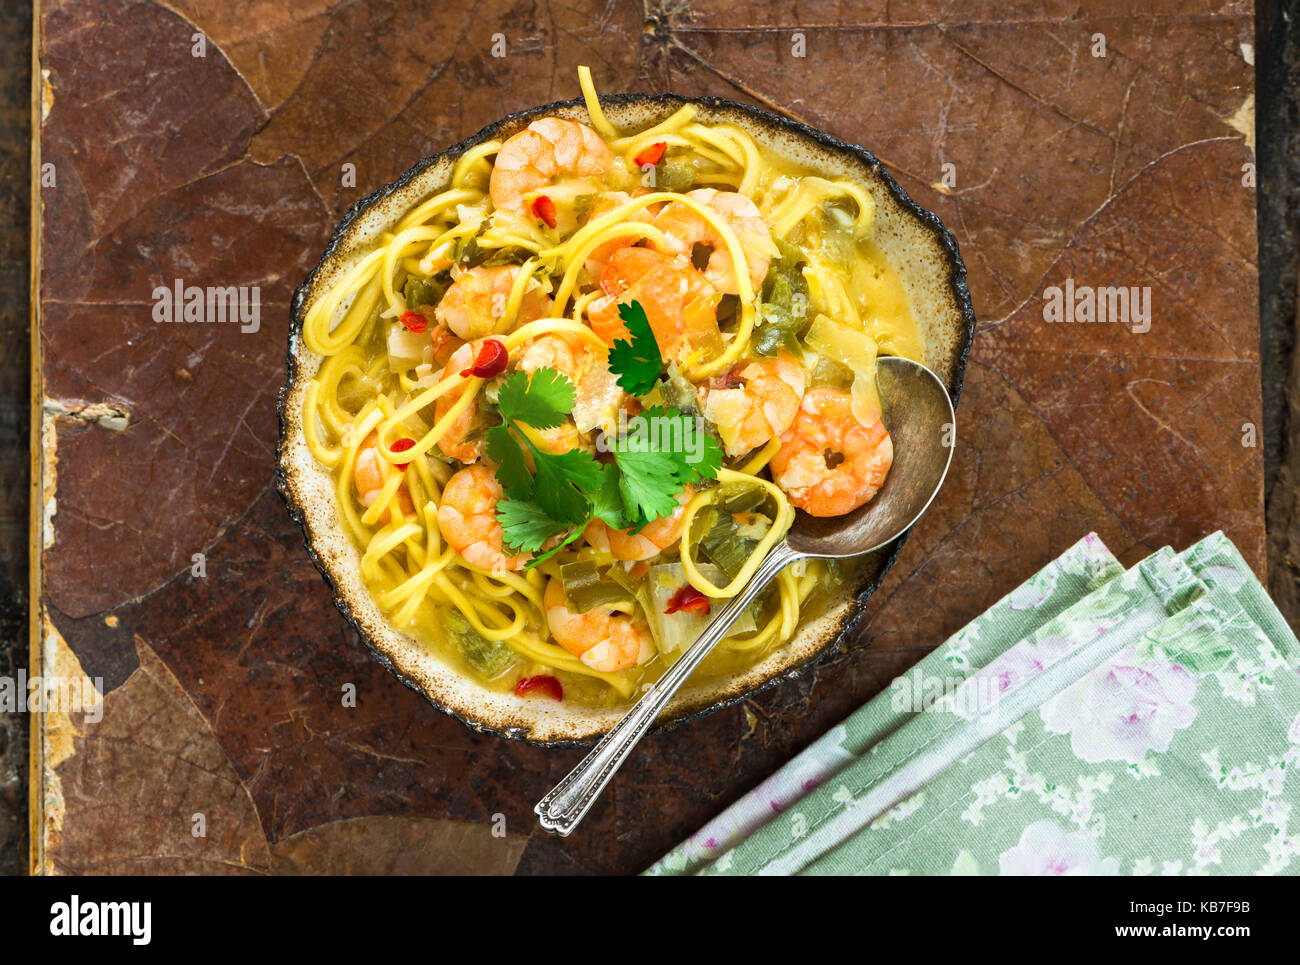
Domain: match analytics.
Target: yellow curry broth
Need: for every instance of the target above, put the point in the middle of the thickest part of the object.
(864, 292)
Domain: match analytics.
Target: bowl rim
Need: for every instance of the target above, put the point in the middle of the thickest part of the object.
(853, 618)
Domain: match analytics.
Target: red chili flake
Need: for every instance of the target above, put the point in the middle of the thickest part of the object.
(549, 686)
(401, 445)
(544, 208)
(651, 155)
(414, 322)
(689, 599)
(492, 360)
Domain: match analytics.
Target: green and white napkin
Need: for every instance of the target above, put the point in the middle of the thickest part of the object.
(1093, 721)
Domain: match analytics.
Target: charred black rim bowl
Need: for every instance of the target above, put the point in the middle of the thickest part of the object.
(920, 248)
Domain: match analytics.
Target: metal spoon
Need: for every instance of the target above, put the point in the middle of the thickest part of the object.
(918, 414)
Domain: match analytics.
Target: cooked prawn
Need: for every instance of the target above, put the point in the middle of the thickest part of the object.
(604, 204)
(756, 403)
(685, 229)
(603, 639)
(564, 353)
(680, 304)
(651, 540)
(461, 440)
(369, 475)
(548, 148)
(468, 522)
(444, 343)
(829, 463)
(560, 438)
(475, 303)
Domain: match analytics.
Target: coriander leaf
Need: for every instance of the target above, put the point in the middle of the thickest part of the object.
(512, 468)
(665, 451)
(696, 454)
(555, 479)
(542, 402)
(638, 362)
(527, 526)
(543, 557)
(648, 485)
(607, 501)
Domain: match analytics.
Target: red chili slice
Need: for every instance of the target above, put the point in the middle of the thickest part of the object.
(544, 208)
(549, 686)
(651, 155)
(689, 599)
(414, 321)
(492, 360)
(401, 445)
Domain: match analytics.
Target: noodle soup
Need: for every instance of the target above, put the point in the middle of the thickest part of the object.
(569, 402)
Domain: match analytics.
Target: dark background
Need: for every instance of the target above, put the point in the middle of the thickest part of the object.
(1279, 175)
(15, 356)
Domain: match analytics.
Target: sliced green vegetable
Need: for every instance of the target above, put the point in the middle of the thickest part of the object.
(586, 588)
(422, 293)
(769, 340)
(675, 176)
(783, 312)
(740, 497)
(677, 392)
(725, 547)
(467, 251)
(632, 587)
(487, 657)
(509, 255)
(582, 205)
(471, 254)
(831, 373)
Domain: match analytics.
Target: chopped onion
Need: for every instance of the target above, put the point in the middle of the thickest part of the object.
(596, 398)
(856, 349)
(586, 589)
(406, 348)
(677, 631)
(427, 375)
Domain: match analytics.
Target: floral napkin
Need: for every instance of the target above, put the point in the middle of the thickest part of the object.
(1093, 721)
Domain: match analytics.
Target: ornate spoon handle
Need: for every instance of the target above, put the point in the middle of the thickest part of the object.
(570, 800)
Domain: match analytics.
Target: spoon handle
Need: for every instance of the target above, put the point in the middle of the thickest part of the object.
(572, 798)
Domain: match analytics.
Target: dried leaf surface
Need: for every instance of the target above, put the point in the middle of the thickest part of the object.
(225, 691)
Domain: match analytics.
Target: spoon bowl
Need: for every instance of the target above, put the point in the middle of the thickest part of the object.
(917, 411)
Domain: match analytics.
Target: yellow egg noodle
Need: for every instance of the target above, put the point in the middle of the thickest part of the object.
(390, 426)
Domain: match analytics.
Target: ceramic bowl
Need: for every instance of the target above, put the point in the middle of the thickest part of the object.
(921, 250)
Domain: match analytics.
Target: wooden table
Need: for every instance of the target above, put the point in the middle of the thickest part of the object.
(216, 143)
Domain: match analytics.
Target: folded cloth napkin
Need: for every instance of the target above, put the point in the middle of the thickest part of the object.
(1093, 721)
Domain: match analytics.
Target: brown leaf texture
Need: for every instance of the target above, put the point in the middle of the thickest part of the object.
(224, 690)
(143, 775)
(400, 846)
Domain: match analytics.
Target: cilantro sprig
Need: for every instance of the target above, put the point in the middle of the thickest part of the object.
(662, 451)
(544, 501)
(637, 362)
